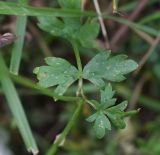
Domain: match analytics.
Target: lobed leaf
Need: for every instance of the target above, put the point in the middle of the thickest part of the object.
(101, 123)
(107, 93)
(103, 66)
(106, 112)
(58, 72)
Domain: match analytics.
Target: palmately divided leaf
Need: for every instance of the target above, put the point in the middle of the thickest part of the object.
(103, 66)
(58, 72)
(106, 112)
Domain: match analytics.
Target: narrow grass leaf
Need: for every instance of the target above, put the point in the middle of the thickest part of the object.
(151, 17)
(10, 8)
(16, 108)
(18, 45)
(131, 24)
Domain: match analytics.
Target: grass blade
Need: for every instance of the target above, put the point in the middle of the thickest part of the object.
(131, 24)
(17, 109)
(151, 17)
(18, 44)
(10, 8)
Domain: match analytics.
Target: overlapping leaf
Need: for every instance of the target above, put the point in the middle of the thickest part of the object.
(106, 113)
(71, 28)
(103, 66)
(57, 72)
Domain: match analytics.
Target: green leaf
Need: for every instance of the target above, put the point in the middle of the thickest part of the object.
(66, 27)
(106, 112)
(87, 34)
(103, 66)
(122, 106)
(107, 93)
(51, 25)
(92, 118)
(107, 99)
(97, 81)
(71, 24)
(108, 103)
(101, 124)
(95, 104)
(63, 28)
(58, 72)
(116, 120)
(116, 114)
(71, 28)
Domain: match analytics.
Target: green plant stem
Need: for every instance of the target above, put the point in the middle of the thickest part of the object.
(28, 83)
(80, 82)
(79, 65)
(52, 150)
(125, 92)
(77, 55)
(115, 6)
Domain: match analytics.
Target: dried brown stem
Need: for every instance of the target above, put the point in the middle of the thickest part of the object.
(147, 54)
(137, 91)
(144, 36)
(104, 31)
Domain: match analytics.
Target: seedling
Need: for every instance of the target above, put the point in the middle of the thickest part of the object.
(101, 68)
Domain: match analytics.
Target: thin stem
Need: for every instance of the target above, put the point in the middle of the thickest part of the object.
(52, 150)
(147, 54)
(29, 83)
(115, 6)
(77, 55)
(80, 82)
(86, 99)
(104, 31)
(79, 65)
